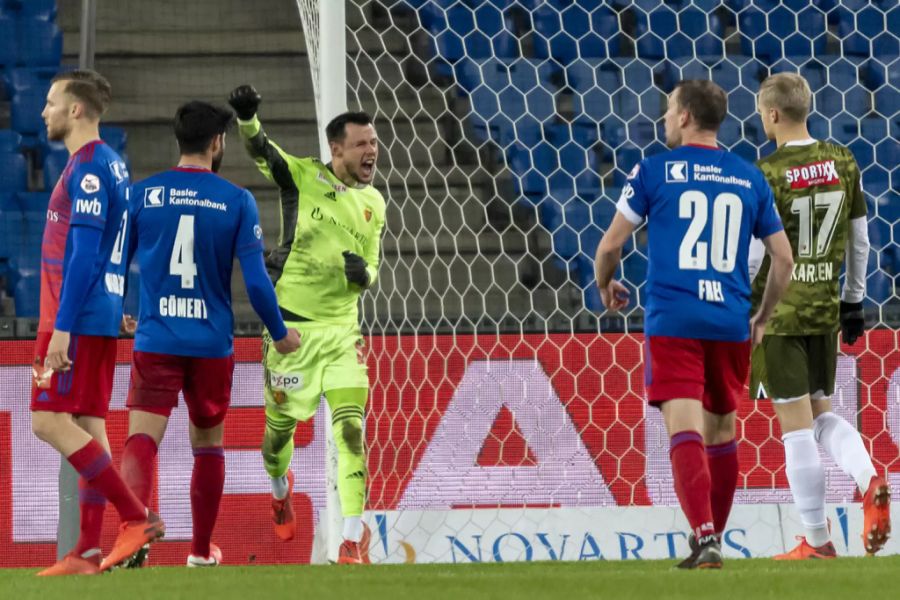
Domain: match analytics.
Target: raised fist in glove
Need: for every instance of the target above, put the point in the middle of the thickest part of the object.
(245, 100)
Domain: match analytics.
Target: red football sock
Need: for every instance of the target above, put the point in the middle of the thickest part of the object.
(94, 464)
(139, 465)
(207, 483)
(691, 473)
(92, 505)
(723, 472)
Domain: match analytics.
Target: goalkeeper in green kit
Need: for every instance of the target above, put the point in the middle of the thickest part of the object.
(327, 255)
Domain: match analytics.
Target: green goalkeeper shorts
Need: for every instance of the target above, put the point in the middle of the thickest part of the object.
(330, 357)
(787, 367)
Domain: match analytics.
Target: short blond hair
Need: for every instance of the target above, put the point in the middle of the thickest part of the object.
(789, 93)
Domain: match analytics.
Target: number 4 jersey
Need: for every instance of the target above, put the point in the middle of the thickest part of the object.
(188, 226)
(92, 192)
(817, 191)
(702, 204)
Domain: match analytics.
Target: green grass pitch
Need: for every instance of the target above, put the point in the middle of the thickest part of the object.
(846, 579)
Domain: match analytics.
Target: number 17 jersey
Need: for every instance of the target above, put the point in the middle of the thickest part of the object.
(817, 192)
(188, 226)
(702, 204)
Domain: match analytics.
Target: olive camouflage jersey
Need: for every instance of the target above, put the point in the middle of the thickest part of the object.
(817, 192)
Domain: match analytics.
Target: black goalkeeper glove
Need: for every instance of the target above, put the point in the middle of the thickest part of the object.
(853, 321)
(355, 269)
(245, 100)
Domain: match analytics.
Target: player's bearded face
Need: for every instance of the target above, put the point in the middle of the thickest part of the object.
(672, 121)
(56, 113)
(359, 152)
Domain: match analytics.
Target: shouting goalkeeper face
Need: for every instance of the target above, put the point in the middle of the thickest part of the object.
(354, 147)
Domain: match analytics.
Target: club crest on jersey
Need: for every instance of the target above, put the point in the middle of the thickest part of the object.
(818, 173)
(90, 184)
(676, 171)
(367, 213)
(155, 197)
(257, 231)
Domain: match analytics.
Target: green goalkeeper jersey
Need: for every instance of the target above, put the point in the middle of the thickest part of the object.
(321, 217)
(818, 191)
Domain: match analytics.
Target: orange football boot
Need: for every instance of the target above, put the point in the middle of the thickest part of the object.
(73, 564)
(283, 512)
(349, 554)
(132, 537)
(804, 551)
(876, 515)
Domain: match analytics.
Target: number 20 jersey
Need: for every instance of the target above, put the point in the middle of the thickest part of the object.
(702, 204)
(817, 192)
(188, 226)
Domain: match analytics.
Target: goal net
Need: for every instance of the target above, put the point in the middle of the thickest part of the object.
(507, 420)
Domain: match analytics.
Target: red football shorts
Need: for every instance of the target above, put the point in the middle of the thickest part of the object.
(711, 371)
(156, 380)
(83, 390)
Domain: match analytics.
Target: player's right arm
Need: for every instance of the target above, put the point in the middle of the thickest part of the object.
(248, 250)
(632, 208)
(276, 165)
(769, 229)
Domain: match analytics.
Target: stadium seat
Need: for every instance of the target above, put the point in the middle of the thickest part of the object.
(13, 172)
(40, 42)
(34, 203)
(27, 296)
(39, 9)
(8, 54)
(37, 79)
(115, 137)
(10, 141)
(12, 227)
(574, 31)
(25, 115)
(54, 164)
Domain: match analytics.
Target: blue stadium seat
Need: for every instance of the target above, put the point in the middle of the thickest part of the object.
(25, 115)
(12, 228)
(39, 9)
(27, 296)
(10, 141)
(13, 171)
(54, 165)
(23, 79)
(8, 54)
(115, 137)
(40, 42)
(34, 203)
(566, 33)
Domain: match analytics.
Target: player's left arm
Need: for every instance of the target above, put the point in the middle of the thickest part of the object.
(363, 270)
(89, 191)
(853, 320)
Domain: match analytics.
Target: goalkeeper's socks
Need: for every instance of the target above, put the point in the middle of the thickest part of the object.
(843, 443)
(690, 472)
(353, 528)
(94, 464)
(92, 505)
(723, 473)
(280, 487)
(806, 476)
(138, 465)
(207, 483)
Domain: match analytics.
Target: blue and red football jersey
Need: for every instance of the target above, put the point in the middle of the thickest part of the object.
(188, 227)
(702, 206)
(92, 192)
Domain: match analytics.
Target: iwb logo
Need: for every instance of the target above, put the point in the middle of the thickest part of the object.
(88, 207)
(154, 197)
(676, 171)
